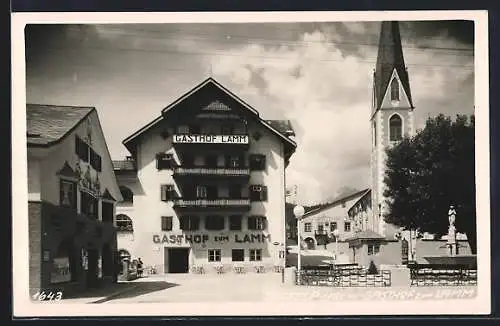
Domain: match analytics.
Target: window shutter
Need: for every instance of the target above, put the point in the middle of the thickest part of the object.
(263, 193)
(264, 223)
(164, 193)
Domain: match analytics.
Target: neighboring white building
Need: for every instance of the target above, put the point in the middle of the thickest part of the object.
(205, 186)
(319, 223)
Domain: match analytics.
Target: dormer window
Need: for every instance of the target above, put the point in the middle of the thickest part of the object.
(394, 90)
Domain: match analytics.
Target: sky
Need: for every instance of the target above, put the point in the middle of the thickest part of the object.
(318, 75)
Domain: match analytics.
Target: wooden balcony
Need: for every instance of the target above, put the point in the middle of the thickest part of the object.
(219, 204)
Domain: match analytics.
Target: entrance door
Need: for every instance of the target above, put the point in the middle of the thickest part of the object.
(176, 260)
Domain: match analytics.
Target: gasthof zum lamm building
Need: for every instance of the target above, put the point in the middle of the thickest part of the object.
(204, 187)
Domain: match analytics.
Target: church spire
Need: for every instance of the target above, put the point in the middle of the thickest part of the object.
(390, 57)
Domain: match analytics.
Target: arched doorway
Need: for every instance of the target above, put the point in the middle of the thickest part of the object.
(310, 243)
(123, 255)
(63, 262)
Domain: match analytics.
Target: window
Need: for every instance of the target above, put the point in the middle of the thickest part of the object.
(238, 255)
(395, 128)
(347, 226)
(255, 254)
(189, 223)
(258, 193)
(320, 228)
(164, 161)
(127, 194)
(63, 263)
(211, 161)
(227, 130)
(183, 130)
(167, 192)
(166, 223)
(124, 223)
(235, 191)
(394, 90)
(333, 226)
(187, 160)
(81, 149)
(89, 205)
(373, 249)
(67, 194)
(234, 161)
(107, 212)
(195, 129)
(235, 222)
(307, 227)
(214, 222)
(95, 160)
(257, 162)
(201, 192)
(257, 223)
(214, 255)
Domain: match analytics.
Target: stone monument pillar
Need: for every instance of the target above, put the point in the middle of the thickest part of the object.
(452, 234)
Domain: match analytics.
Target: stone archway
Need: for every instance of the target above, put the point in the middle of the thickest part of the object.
(310, 243)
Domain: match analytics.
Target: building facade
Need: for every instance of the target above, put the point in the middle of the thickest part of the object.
(204, 186)
(318, 225)
(72, 194)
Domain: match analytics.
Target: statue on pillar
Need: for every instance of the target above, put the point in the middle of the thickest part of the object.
(452, 235)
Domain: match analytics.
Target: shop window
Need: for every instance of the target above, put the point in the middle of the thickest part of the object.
(167, 192)
(307, 227)
(214, 223)
(258, 193)
(189, 223)
(347, 226)
(333, 226)
(67, 194)
(166, 223)
(256, 223)
(373, 249)
(238, 255)
(214, 255)
(257, 162)
(124, 223)
(62, 262)
(127, 194)
(235, 222)
(89, 205)
(255, 254)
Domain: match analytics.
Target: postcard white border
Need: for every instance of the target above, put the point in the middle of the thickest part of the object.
(23, 307)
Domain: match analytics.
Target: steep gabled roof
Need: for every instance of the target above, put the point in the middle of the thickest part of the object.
(390, 57)
(49, 124)
(207, 86)
(321, 207)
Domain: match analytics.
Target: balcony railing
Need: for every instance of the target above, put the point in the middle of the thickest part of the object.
(204, 171)
(213, 203)
(236, 139)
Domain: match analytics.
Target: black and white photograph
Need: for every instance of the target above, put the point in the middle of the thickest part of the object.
(266, 164)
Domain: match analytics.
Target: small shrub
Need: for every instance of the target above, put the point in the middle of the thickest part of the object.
(372, 269)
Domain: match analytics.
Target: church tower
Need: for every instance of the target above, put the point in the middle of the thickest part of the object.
(391, 116)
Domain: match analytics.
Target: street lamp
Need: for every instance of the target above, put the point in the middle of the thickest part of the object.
(298, 211)
(336, 235)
